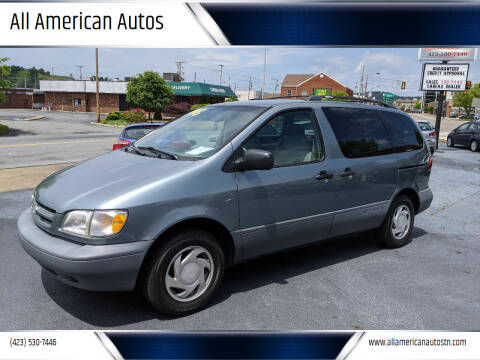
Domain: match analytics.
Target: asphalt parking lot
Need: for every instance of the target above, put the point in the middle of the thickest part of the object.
(349, 283)
(59, 137)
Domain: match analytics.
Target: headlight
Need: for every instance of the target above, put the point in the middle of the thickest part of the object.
(96, 223)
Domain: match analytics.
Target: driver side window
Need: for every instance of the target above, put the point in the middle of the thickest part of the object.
(292, 137)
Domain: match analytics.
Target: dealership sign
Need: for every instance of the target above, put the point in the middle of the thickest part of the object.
(444, 77)
(447, 54)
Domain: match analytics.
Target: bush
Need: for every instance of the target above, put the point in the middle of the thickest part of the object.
(125, 117)
(176, 109)
(115, 116)
(4, 130)
(198, 106)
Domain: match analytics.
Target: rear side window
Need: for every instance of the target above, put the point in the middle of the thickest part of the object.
(359, 132)
(405, 135)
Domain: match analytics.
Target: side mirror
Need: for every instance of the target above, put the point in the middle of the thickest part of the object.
(255, 160)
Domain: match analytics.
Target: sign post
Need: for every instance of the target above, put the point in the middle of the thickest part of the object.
(444, 77)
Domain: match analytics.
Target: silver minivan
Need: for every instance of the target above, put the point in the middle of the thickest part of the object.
(224, 184)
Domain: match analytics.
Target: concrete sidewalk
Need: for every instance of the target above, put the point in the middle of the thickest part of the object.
(26, 177)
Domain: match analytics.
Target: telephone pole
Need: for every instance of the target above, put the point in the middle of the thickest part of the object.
(80, 69)
(264, 72)
(221, 73)
(249, 87)
(179, 68)
(360, 91)
(97, 95)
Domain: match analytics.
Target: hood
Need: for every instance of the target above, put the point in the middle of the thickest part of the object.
(104, 181)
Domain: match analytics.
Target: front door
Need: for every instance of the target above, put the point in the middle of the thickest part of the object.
(463, 134)
(290, 204)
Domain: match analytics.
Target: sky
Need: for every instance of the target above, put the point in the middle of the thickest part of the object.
(342, 64)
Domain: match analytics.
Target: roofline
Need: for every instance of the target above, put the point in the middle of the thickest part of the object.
(346, 87)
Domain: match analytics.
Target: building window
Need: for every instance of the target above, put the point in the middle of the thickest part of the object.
(77, 102)
(289, 92)
(69, 101)
(304, 92)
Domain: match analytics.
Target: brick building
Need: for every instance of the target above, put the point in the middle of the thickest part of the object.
(80, 95)
(311, 84)
(16, 98)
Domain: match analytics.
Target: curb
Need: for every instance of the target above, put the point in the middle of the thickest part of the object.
(33, 118)
(108, 125)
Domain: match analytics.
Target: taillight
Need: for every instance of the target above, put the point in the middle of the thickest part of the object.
(120, 144)
(430, 162)
(432, 134)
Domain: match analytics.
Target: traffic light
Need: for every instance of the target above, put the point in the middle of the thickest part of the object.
(404, 85)
(468, 85)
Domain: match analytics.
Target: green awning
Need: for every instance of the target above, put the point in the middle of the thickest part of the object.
(199, 89)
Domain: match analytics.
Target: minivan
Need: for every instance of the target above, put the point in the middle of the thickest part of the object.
(224, 184)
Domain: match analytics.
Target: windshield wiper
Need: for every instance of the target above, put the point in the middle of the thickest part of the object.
(135, 150)
(160, 153)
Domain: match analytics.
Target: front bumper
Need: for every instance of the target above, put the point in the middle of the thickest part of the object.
(91, 267)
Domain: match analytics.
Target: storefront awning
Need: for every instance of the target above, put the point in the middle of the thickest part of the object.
(199, 89)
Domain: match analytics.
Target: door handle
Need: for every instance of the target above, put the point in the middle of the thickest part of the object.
(347, 172)
(323, 175)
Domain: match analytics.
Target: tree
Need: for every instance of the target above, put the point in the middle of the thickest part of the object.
(418, 105)
(463, 100)
(150, 92)
(4, 72)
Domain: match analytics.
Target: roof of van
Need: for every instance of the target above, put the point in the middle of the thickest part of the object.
(276, 102)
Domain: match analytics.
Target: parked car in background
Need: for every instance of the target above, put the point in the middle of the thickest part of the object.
(453, 114)
(134, 132)
(224, 184)
(467, 134)
(429, 134)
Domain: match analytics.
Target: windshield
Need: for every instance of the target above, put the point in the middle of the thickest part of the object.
(201, 132)
(425, 126)
(139, 132)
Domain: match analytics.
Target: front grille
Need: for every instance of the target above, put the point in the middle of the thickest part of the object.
(42, 214)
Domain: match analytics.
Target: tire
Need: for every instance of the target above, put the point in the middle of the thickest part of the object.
(474, 146)
(161, 268)
(389, 233)
(450, 142)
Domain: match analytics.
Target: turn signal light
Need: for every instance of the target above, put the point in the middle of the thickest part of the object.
(432, 134)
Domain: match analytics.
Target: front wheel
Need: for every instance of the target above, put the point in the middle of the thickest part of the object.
(474, 145)
(183, 275)
(449, 142)
(397, 227)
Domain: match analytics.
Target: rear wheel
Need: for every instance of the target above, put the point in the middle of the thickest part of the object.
(474, 146)
(397, 227)
(183, 275)
(449, 142)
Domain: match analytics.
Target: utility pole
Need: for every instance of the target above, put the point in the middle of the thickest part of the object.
(249, 87)
(361, 80)
(97, 95)
(228, 80)
(179, 68)
(221, 73)
(80, 69)
(366, 85)
(264, 72)
(276, 84)
(195, 76)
